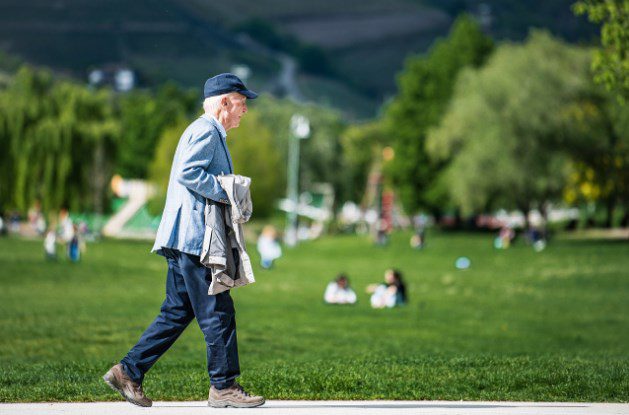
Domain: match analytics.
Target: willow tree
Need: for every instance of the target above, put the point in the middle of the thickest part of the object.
(58, 138)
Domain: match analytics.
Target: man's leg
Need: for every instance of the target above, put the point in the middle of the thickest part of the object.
(176, 313)
(216, 317)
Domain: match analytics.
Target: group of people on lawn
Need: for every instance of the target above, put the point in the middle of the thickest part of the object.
(387, 294)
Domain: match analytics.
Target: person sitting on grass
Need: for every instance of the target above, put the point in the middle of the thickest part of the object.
(389, 294)
(339, 291)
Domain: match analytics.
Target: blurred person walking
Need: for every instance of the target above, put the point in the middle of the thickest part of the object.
(50, 244)
(66, 230)
(201, 156)
(268, 247)
(74, 247)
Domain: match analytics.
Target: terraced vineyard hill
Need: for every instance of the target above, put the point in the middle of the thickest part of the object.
(365, 41)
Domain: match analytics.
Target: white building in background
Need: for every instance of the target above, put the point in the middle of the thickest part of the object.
(124, 80)
(241, 71)
(119, 77)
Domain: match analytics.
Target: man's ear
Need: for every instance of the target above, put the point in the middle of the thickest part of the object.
(224, 101)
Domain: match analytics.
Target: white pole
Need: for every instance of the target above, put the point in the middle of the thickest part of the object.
(300, 129)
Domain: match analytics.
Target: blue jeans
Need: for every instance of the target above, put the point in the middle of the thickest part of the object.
(187, 297)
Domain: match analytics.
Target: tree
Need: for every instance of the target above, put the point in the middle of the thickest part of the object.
(144, 116)
(321, 155)
(159, 169)
(598, 124)
(505, 131)
(362, 145)
(424, 90)
(58, 138)
(611, 62)
(254, 154)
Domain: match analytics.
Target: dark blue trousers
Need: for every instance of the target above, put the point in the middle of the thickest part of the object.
(187, 297)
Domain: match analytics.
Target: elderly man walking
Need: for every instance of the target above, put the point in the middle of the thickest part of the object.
(200, 157)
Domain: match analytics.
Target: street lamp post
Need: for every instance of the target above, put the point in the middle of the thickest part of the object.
(300, 129)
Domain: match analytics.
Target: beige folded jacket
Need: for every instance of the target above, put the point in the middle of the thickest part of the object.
(224, 235)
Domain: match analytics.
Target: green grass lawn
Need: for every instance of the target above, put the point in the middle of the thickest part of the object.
(517, 325)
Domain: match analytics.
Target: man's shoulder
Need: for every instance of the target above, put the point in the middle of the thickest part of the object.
(201, 123)
(201, 128)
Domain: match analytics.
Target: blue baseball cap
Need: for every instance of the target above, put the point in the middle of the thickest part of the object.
(226, 83)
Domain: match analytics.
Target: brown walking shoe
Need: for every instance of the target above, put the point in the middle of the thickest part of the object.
(118, 380)
(234, 396)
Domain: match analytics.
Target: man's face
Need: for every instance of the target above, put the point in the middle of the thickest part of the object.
(234, 107)
(389, 278)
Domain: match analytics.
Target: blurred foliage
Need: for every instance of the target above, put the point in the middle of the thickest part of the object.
(362, 146)
(321, 154)
(425, 88)
(64, 141)
(598, 124)
(9, 63)
(517, 126)
(159, 170)
(523, 127)
(254, 154)
(611, 62)
(143, 117)
(58, 143)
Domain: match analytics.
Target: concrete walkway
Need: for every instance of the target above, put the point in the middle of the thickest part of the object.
(322, 407)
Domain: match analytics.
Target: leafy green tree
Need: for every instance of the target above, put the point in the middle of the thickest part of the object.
(144, 116)
(611, 62)
(425, 87)
(159, 169)
(58, 138)
(598, 124)
(321, 155)
(362, 146)
(506, 131)
(254, 154)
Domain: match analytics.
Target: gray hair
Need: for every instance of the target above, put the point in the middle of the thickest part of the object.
(212, 104)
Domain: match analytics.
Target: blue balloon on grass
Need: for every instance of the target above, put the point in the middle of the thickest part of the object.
(462, 262)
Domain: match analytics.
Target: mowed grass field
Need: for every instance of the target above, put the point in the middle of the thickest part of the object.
(517, 325)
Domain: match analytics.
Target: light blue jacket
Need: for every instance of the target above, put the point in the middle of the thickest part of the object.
(200, 157)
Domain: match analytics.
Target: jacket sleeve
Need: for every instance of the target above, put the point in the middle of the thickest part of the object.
(195, 160)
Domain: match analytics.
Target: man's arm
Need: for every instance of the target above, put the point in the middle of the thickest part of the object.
(196, 158)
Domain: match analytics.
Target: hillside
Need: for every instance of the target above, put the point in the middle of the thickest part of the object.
(364, 43)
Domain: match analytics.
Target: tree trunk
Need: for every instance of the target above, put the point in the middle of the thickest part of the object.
(525, 208)
(437, 214)
(624, 222)
(610, 208)
(543, 210)
(98, 177)
(458, 219)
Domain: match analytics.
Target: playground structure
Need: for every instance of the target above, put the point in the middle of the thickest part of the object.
(137, 193)
(315, 206)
